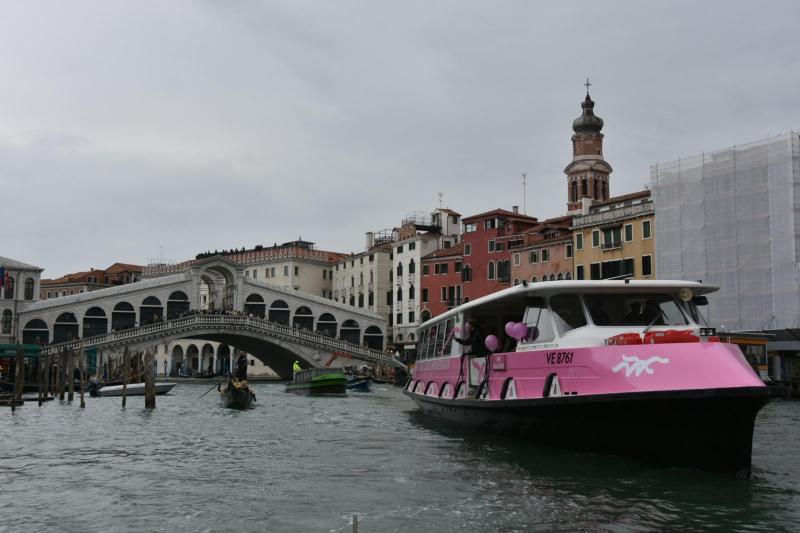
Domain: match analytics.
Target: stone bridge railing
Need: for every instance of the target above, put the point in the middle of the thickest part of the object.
(225, 323)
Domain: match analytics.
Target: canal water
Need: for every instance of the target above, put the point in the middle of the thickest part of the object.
(301, 464)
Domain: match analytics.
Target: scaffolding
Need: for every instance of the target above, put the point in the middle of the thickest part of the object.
(732, 218)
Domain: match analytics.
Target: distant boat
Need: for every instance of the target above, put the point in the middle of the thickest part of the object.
(318, 381)
(134, 389)
(236, 395)
(359, 384)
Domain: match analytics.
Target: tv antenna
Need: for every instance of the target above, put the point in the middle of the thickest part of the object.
(524, 193)
(440, 199)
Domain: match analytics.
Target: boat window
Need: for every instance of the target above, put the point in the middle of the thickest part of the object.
(634, 310)
(448, 343)
(540, 324)
(422, 343)
(697, 314)
(430, 350)
(440, 341)
(567, 312)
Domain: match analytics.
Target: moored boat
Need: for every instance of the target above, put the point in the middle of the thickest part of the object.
(627, 367)
(359, 384)
(133, 389)
(314, 381)
(237, 394)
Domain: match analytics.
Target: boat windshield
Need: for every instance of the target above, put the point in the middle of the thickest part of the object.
(634, 310)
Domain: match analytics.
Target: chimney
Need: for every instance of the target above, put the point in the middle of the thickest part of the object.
(370, 239)
(515, 209)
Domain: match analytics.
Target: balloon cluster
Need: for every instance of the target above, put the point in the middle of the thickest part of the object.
(517, 330)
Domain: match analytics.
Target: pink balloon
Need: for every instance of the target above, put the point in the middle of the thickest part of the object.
(456, 330)
(491, 343)
(520, 331)
(510, 328)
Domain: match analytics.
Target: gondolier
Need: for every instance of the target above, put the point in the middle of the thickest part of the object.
(296, 367)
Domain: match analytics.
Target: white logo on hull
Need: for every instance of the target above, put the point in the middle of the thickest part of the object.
(633, 365)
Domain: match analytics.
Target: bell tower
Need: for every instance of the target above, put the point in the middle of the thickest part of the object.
(588, 173)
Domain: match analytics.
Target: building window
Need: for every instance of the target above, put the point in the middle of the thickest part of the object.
(647, 265)
(424, 295)
(628, 232)
(444, 294)
(443, 268)
(516, 281)
(533, 257)
(579, 241)
(568, 251)
(361, 300)
(489, 224)
(490, 270)
(646, 229)
(596, 238)
(399, 269)
(436, 269)
(499, 247)
(491, 246)
(29, 289)
(627, 267)
(446, 245)
(516, 262)
(411, 317)
(399, 318)
(255, 273)
(469, 228)
(324, 274)
(286, 270)
(579, 272)
(412, 246)
(457, 267)
(388, 297)
(612, 238)
(399, 294)
(467, 249)
(594, 271)
(296, 270)
(466, 273)
(454, 219)
(412, 266)
(411, 292)
(371, 299)
(533, 279)
(545, 255)
(426, 270)
(400, 249)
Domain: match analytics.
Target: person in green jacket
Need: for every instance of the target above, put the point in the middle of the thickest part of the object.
(296, 367)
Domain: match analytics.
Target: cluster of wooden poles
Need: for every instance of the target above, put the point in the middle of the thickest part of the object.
(55, 373)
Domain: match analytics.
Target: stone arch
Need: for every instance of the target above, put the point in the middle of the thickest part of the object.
(207, 359)
(95, 322)
(150, 311)
(9, 289)
(224, 359)
(178, 364)
(65, 328)
(177, 304)
(303, 318)
(560, 277)
(123, 316)
(373, 337)
(326, 324)
(254, 305)
(568, 275)
(279, 312)
(425, 315)
(219, 273)
(350, 331)
(192, 358)
(35, 332)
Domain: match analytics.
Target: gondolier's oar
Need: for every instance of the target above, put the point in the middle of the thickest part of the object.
(209, 390)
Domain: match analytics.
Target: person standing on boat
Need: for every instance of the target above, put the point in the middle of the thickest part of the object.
(474, 339)
(241, 367)
(296, 367)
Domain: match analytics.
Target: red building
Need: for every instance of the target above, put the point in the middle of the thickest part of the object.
(486, 259)
(547, 252)
(441, 281)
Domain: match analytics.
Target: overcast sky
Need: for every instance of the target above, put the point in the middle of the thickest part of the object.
(125, 126)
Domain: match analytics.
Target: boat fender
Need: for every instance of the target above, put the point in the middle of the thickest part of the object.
(552, 387)
(483, 390)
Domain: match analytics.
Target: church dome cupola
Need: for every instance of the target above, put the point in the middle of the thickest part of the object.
(588, 121)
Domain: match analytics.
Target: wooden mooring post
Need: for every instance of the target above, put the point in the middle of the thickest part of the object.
(82, 365)
(149, 380)
(71, 375)
(126, 364)
(40, 377)
(19, 375)
(62, 368)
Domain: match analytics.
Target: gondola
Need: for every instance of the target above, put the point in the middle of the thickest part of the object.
(236, 394)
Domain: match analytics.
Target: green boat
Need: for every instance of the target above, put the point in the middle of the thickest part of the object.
(318, 381)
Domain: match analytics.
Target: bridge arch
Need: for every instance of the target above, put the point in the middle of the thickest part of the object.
(177, 365)
(279, 312)
(95, 322)
(177, 304)
(207, 359)
(303, 318)
(350, 331)
(123, 316)
(326, 324)
(65, 327)
(151, 310)
(35, 332)
(192, 358)
(255, 305)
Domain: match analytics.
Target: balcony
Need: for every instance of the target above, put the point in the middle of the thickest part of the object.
(613, 245)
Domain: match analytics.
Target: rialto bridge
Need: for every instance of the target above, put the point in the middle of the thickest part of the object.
(212, 300)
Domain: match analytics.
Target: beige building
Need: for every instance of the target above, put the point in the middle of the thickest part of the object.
(364, 280)
(616, 238)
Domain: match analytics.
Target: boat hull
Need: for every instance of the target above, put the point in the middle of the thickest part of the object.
(233, 398)
(332, 386)
(359, 385)
(134, 389)
(708, 429)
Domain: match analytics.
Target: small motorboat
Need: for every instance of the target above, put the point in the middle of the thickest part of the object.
(358, 384)
(134, 389)
(318, 381)
(236, 394)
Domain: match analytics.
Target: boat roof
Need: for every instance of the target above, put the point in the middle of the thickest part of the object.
(544, 288)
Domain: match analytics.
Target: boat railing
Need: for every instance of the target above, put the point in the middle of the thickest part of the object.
(197, 321)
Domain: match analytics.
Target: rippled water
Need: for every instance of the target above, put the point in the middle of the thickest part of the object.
(309, 464)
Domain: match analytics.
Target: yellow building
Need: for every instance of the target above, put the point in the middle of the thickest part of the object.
(616, 238)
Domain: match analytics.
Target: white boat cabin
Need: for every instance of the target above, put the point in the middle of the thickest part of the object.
(570, 314)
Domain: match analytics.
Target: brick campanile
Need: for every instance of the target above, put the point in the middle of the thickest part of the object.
(588, 173)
